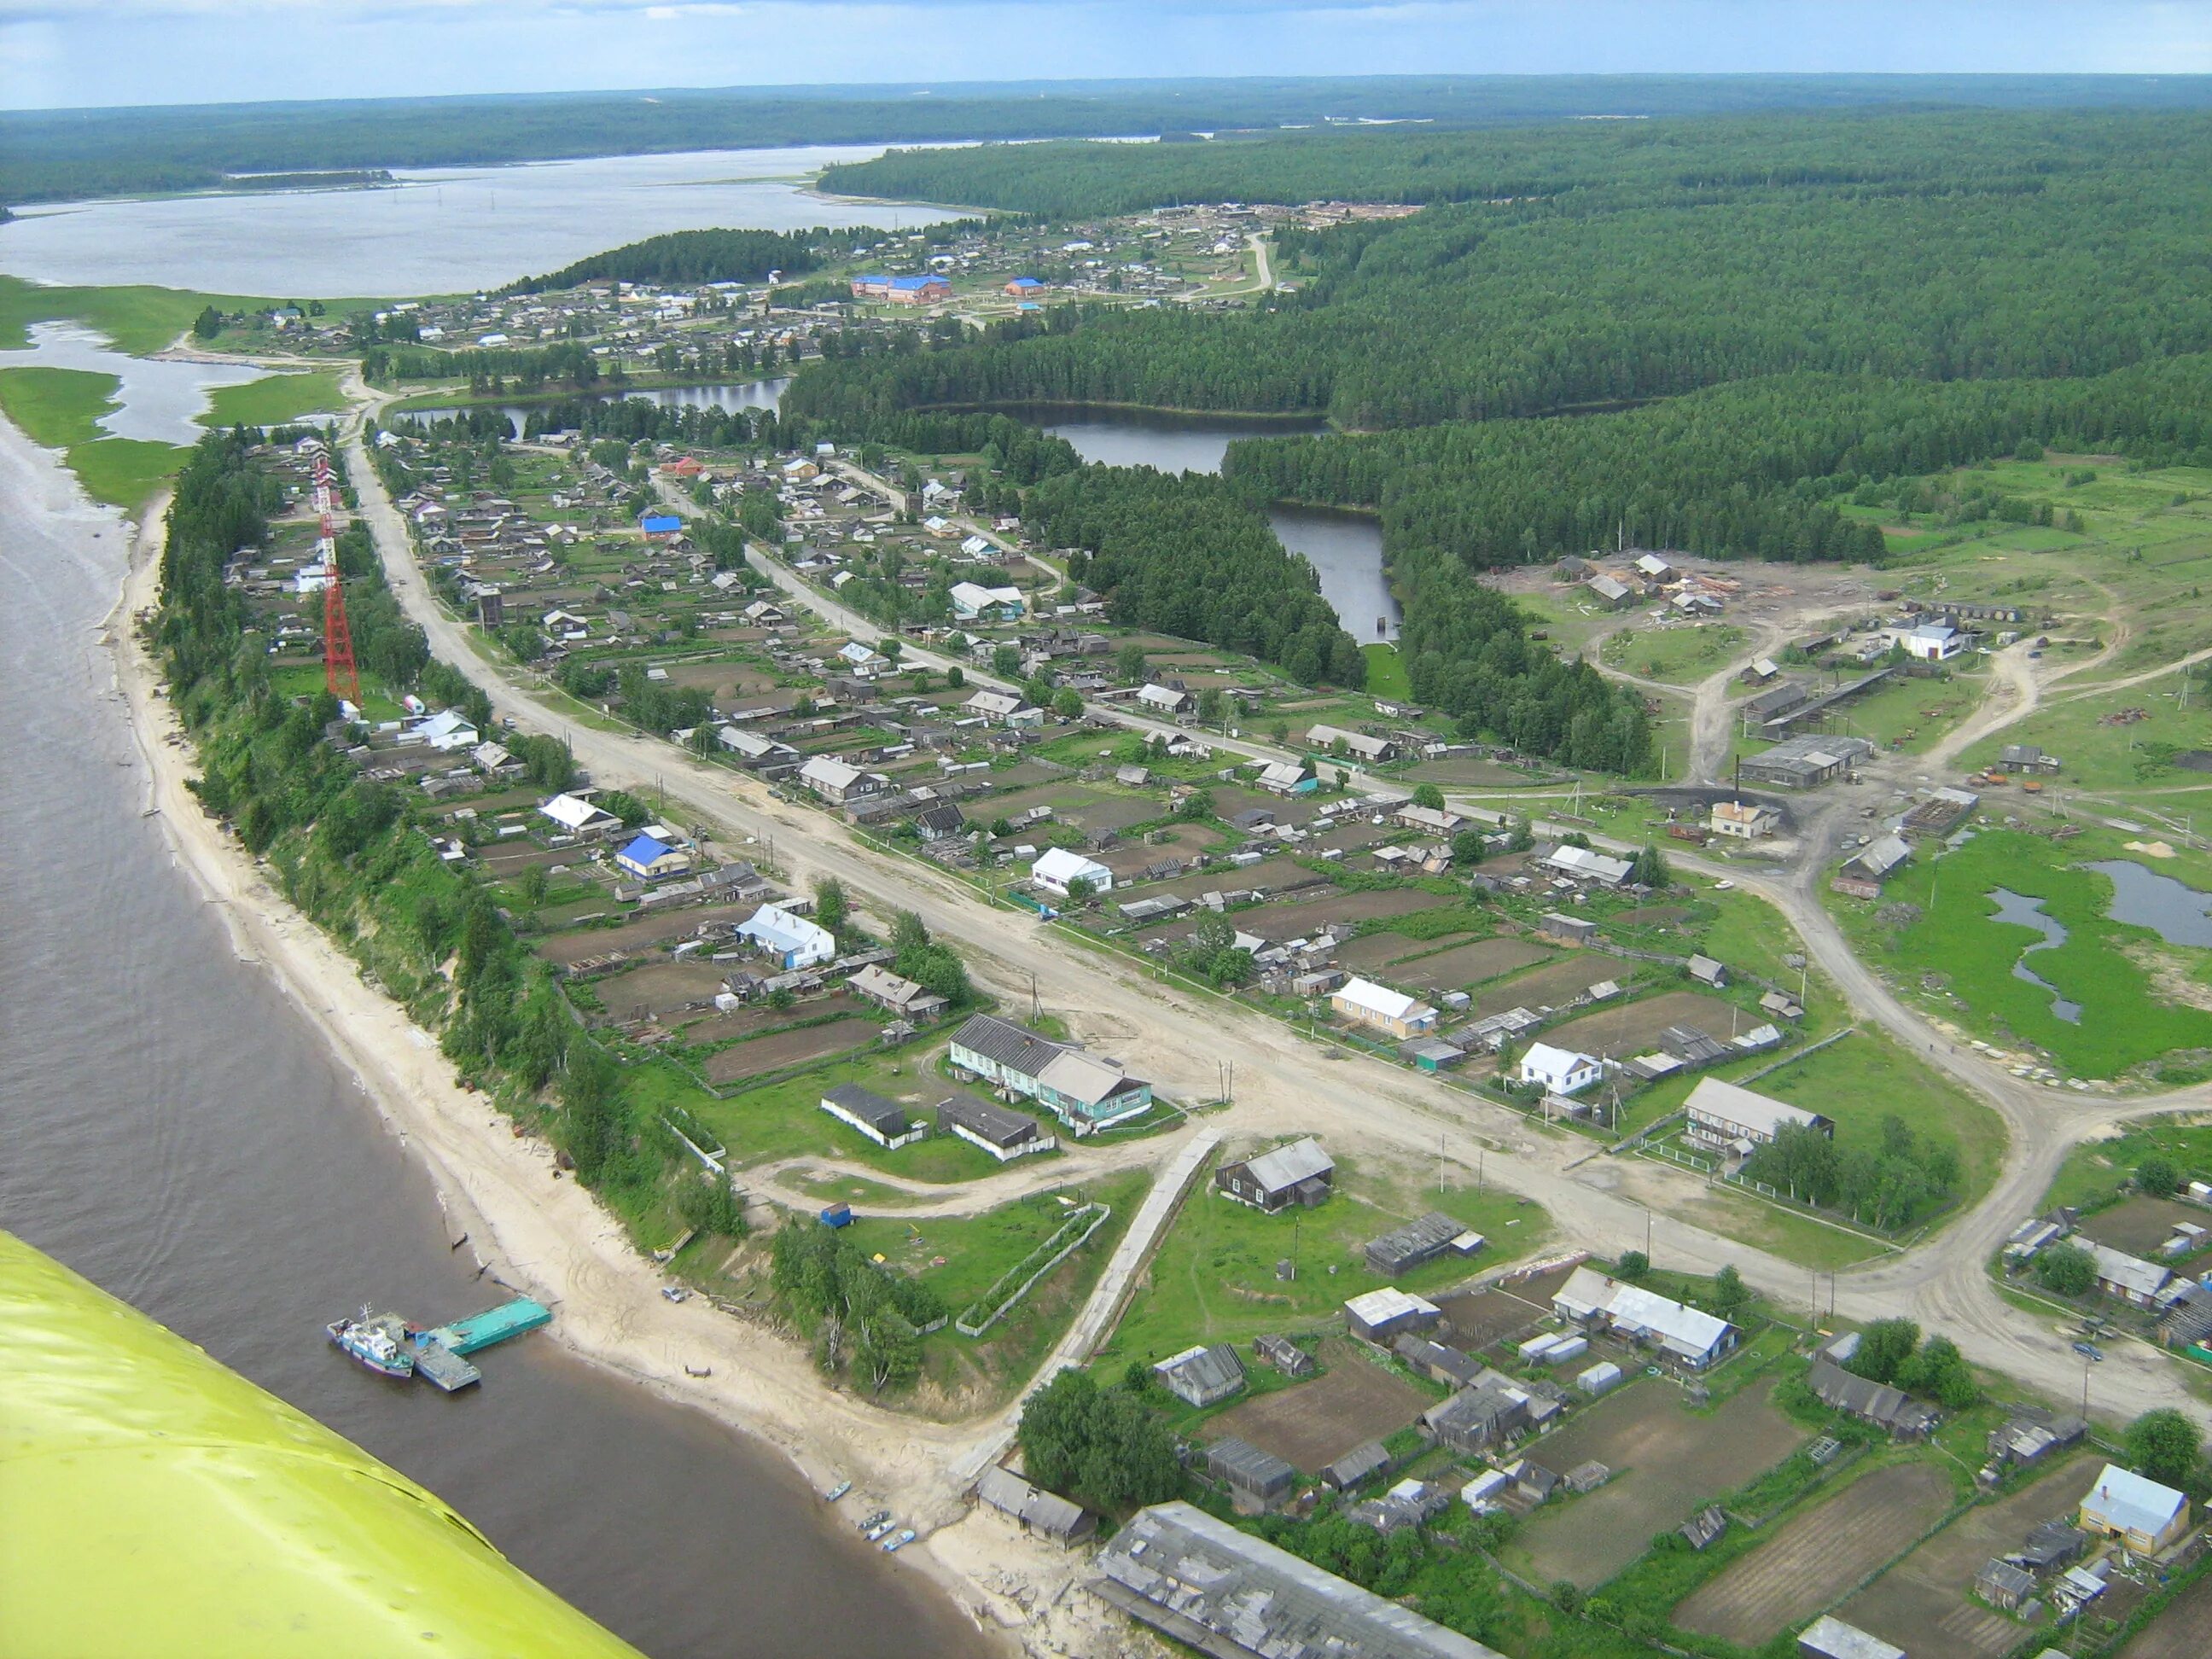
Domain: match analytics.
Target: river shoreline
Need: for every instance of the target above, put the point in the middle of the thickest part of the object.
(540, 1232)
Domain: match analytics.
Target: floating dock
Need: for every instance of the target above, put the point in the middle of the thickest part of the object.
(439, 1365)
(478, 1331)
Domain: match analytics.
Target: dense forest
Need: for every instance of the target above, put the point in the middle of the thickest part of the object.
(56, 154)
(1754, 469)
(690, 256)
(1599, 262)
(1189, 556)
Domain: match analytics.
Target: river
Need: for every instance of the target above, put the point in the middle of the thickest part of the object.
(438, 230)
(179, 1134)
(1344, 549)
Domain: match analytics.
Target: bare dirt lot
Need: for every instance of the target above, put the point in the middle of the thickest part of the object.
(659, 989)
(1474, 1322)
(1281, 921)
(1550, 986)
(1922, 1603)
(1312, 1423)
(772, 1054)
(2139, 1225)
(1665, 1460)
(1274, 875)
(647, 931)
(1818, 1554)
(1468, 964)
(1372, 952)
(760, 1019)
(2178, 1633)
(1633, 1027)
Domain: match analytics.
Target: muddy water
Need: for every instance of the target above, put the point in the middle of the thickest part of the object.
(173, 1131)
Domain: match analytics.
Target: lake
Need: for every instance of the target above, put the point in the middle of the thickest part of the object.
(747, 394)
(438, 230)
(1344, 549)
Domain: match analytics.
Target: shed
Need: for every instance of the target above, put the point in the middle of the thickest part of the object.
(1202, 1376)
(1046, 1514)
(1701, 1530)
(883, 1121)
(1403, 1249)
(2003, 1585)
(1006, 1135)
(1257, 1481)
(1380, 1316)
(1830, 1638)
(1361, 1464)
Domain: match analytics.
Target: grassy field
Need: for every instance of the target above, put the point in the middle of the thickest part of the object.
(274, 399)
(1213, 1276)
(1678, 655)
(60, 408)
(139, 320)
(2125, 1022)
(1386, 673)
(2095, 1172)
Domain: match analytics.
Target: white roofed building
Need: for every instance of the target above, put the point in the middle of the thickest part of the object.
(2141, 1514)
(1365, 1003)
(1561, 1071)
(1693, 1338)
(1727, 1118)
(1057, 870)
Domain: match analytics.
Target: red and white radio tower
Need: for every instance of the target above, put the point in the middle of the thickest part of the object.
(340, 677)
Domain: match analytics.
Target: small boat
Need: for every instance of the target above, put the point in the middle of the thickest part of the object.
(698, 1370)
(899, 1540)
(836, 1492)
(879, 1518)
(374, 1340)
(676, 1292)
(877, 1530)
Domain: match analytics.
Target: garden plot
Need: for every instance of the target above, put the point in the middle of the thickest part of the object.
(1092, 811)
(1283, 921)
(1371, 953)
(2177, 1632)
(658, 989)
(781, 1049)
(1666, 1460)
(762, 1018)
(1274, 875)
(645, 932)
(1551, 985)
(1818, 1554)
(1230, 800)
(1470, 964)
(2139, 1224)
(1633, 1028)
(1923, 1604)
(1311, 1424)
(1474, 1322)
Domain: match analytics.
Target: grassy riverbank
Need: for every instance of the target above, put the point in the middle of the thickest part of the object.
(61, 409)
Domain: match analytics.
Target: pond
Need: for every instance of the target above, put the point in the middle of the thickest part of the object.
(1344, 549)
(743, 394)
(2021, 911)
(2142, 897)
(159, 400)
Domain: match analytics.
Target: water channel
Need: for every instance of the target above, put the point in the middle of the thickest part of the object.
(1344, 549)
(2019, 910)
(177, 1132)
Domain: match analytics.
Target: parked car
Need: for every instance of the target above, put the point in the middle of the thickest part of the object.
(2088, 1351)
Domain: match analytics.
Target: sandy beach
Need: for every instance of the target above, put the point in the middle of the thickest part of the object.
(543, 1234)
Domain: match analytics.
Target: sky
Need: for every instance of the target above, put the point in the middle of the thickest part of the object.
(92, 52)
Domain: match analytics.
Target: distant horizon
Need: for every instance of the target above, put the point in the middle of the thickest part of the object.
(137, 54)
(999, 87)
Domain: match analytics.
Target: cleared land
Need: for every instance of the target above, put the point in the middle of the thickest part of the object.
(1549, 986)
(1312, 1424)
(1817, 1555)
(1468, 964)
(1665, 1459)
(2139, 1224)
(1633, 1027)
(772, 1054)
(2178, 1633)
(1472, 1322)
(1923, 1604)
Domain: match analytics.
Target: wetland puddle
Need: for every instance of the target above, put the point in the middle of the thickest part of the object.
(2021, 911)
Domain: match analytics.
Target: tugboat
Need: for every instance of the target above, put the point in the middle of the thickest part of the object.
(375, 1340)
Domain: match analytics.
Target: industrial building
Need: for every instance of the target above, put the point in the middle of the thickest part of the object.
(1805, 763)
(1230, 1595)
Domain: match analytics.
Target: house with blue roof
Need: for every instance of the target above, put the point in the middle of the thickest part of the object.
(661, 523)
(1024, 288)
(649, 859)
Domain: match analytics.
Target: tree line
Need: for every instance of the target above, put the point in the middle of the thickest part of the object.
(684, 257)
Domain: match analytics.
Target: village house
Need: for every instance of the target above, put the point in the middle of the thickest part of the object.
(1693, 1338)
(883, 1121)
(1299, 1173)
(1561, 1071)
(1086, 1093)
(791, 939)
(1580, 864)
(1365, 1003)
(837, 781)
(1726, 1119)
(1381, 1316)
(1057, 870)
(1045, 1514)
(2133, 1280)
(1285, 1355)
(1744, 820)
(1888, 1408)
(1201, 1375)
(577, 817)
(1566, 930)
(973, 602)
(649, 859)
(895, 994)
(1358, 745)
(2144, 1516)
